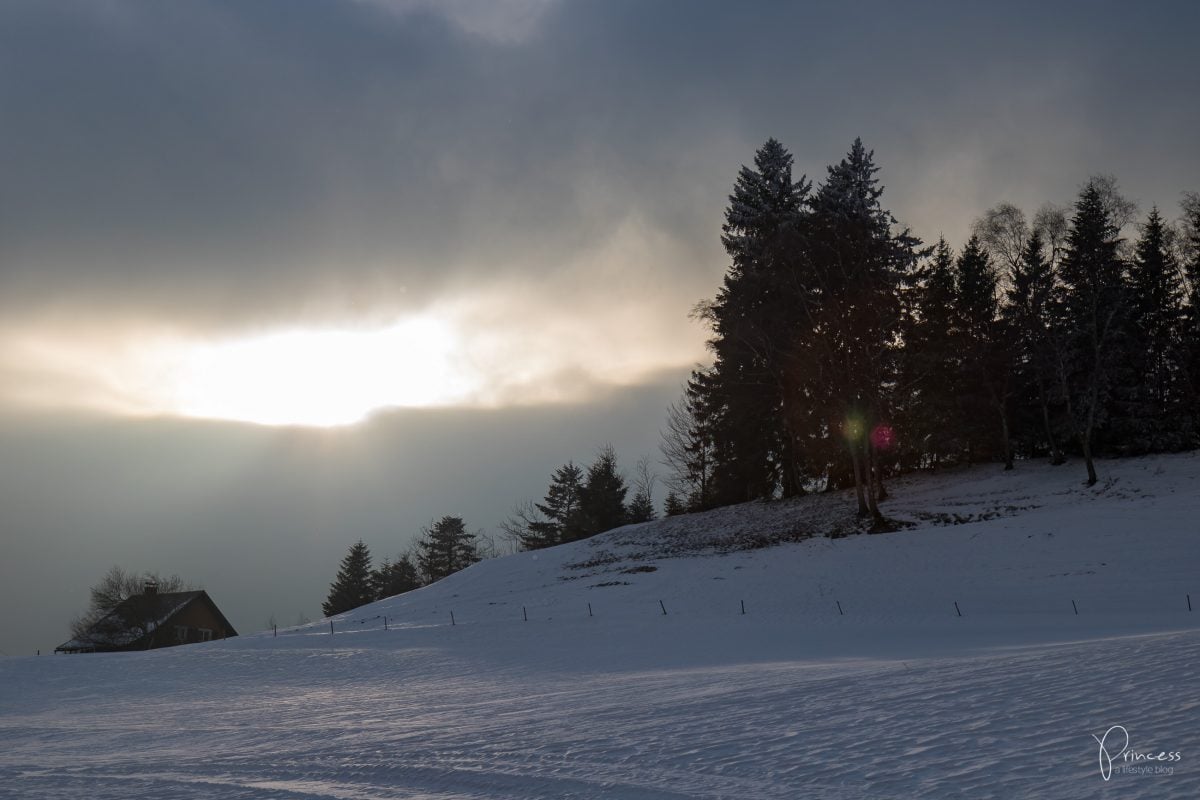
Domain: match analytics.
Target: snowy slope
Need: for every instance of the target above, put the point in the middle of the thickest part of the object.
(897, 696)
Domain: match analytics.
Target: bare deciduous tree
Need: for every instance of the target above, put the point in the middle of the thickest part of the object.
(99, 625)
(1052, 223)
(1004, 233)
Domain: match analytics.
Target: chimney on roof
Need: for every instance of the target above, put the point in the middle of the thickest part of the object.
(150, 589)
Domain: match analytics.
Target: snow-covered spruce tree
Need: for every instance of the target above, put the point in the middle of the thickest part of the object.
(1091, 317)
(752, 321)
(445, 547)
(353, 586)
(602, 499)
(1028, 309)
(985, 348)
(857, 266)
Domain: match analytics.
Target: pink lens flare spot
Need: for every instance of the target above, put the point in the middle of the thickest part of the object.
(883, 437)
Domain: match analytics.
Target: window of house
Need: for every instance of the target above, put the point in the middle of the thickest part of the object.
(181, 634)
(205, 635)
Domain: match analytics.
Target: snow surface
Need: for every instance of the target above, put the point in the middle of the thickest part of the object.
(896, 697)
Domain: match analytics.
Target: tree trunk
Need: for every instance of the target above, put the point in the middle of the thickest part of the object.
(872, 475)
(1008, 456)
(1086, 441)
(1056, 456)
(791, 483)
(856, 461)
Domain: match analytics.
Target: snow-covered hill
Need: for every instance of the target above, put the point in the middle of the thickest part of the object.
(974, 654)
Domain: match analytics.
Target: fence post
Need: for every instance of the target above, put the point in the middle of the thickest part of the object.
(1075, 607)
(840, 612)
(331, 627)
(956, 609)
(1189, 597)
(664, 608)
(743, 607)
(385, 627)
(589, 609)
(452, 622)
(524, 613)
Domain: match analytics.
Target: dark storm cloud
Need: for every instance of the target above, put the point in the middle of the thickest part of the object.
(198, 157)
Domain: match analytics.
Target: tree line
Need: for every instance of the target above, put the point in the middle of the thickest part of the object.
(845, 351)
(444, 547)
(580, 503)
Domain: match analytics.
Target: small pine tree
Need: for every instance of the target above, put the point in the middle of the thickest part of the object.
(353, 585)
(395, 577)
(673, 506)
(561, 507)
(641, 507)
(688, 443)
(602, 499)
(444, 548)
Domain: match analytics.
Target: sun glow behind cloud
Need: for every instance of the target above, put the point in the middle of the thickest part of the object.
(324, 377)
(483, 352)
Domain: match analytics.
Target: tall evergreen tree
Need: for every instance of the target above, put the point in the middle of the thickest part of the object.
(1190, 335)
(445, 547)
(932, 363)
(856, 264)
(1029, 313)
(985, 349)
(1091, 317)
(751, 323)
(353, 586)
(602, 499)
(1157, 351)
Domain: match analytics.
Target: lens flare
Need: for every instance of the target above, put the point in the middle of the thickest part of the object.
(883, 437)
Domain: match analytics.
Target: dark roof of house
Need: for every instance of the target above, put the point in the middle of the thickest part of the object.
(149, 611)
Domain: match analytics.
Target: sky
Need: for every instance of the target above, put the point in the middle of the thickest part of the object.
(277, 276)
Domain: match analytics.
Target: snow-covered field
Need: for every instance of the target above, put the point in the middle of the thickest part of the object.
(893, 696)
